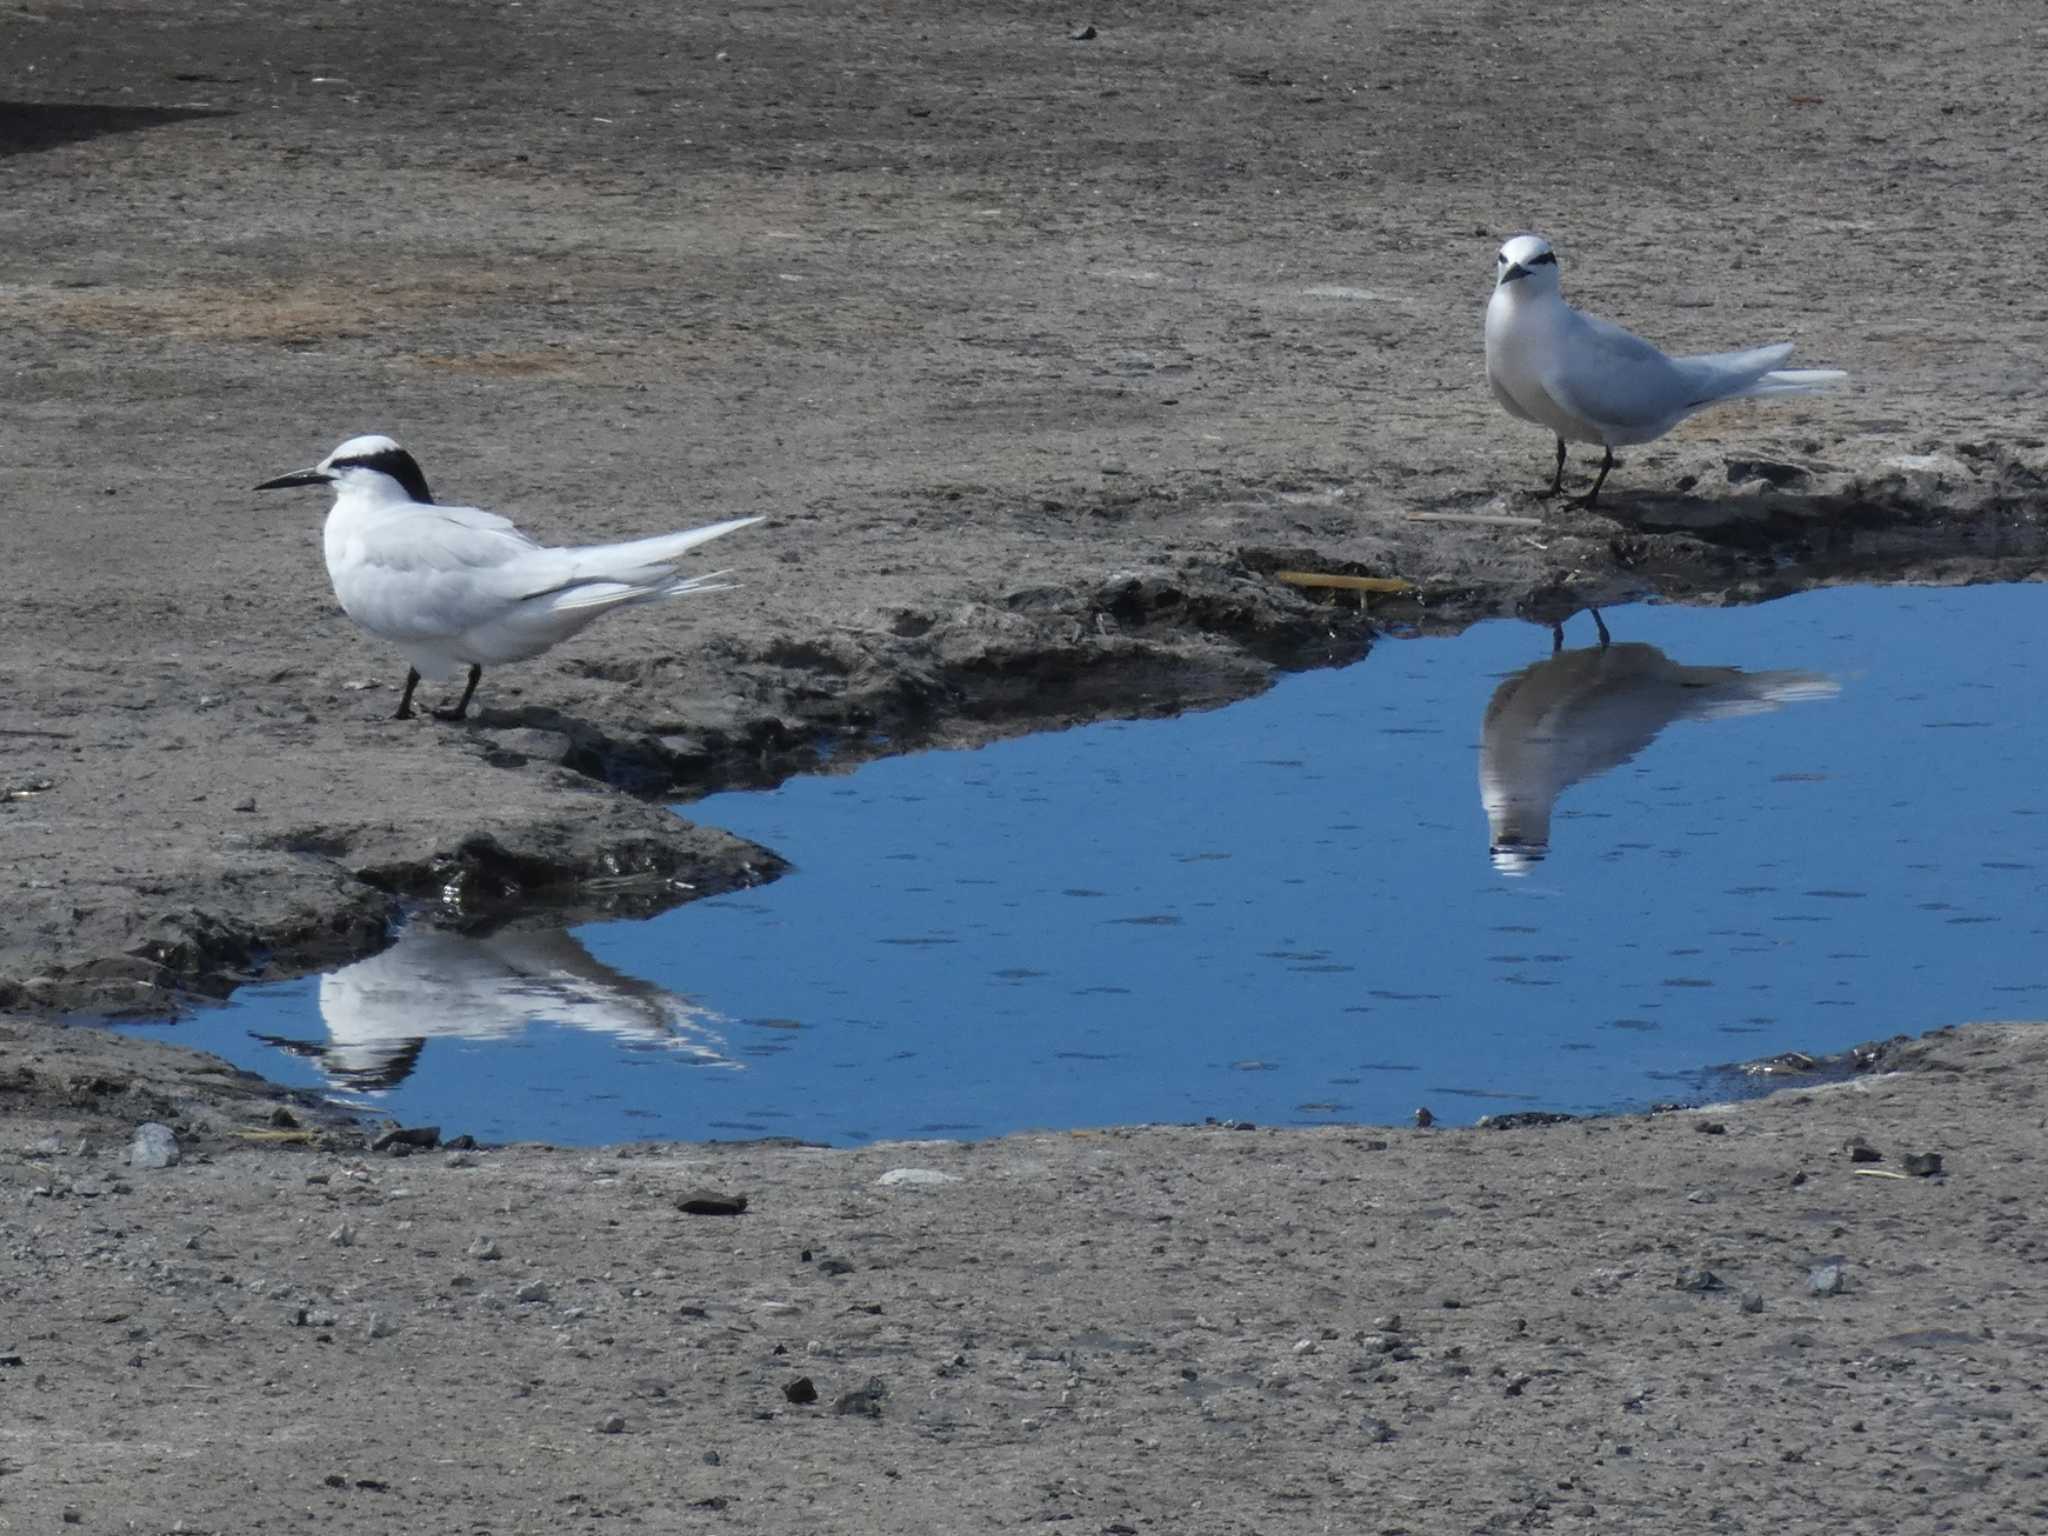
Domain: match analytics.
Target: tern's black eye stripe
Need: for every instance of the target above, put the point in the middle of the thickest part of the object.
(398, 464)
(1547, 259)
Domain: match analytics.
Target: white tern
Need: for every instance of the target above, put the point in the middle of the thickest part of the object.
(1590, 381)
(457, 586)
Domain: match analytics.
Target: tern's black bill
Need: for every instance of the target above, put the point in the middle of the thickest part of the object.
(1514, 274)
(302, 477)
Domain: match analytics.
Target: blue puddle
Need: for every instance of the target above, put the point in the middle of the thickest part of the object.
(1293, 910)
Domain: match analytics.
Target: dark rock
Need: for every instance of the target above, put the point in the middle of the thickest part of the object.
(284, 1119)
(1699, 1280)
(1922, 1165)
(1710, 1127)
(1861, 1151)
(408, 1136)
(1378, 1431)
(834, 1267)
(1753, 1302)
(802, 1390)
(1517, 1384)
(710, 1202)
(1423, 1118)
(1520, 1120)
(865, 1400)
(1082, 35)
(463, 1143)
(612, 1424)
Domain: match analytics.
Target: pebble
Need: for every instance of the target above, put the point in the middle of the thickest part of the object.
(378, 1326)
(1753, 1302)
(1082, 35)
(533, 1290)
(1826, 1280)
(460, 1160)
(834, 1267)
(485, 1248)
(1378, 1431)
(1922, 1165)
(865, 1399)
(343, 1236)
(1306, 1346)
(1700, 1280)
(154, 1146)
(918, 1177)
(802, 1390)
(1861, 1151)
(612, 1424)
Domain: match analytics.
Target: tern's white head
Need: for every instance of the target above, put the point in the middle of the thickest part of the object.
(1527, 259)
(373, 467)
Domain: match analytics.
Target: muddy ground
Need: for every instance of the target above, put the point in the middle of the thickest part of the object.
(1613, 1325)
(1043, 354)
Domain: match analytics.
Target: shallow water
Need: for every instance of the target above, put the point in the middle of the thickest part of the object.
(1287, 911)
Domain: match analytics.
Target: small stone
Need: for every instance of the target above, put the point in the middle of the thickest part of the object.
(284, 1119)
(834, 1267)
(1753, 1302)
(1081, 35)
(1424, 1119)
(462, 1143)
(1710, 1127)
(1378, 1431)
(1861, 1151)
(1305, 1346)
(459, 1160)
(154, 1146)
(484, 1248)
(802, 1390)
(612, 1424)
(378, 1326)
(1922, 1165)
(917, 1177)
(1826, 1280)
(533, 1290)
(710, 1202)
(1699, 1280)
(864, 1400)
(72, 1517)
(713, 1459)
(343, 1236)
(1391, 1323)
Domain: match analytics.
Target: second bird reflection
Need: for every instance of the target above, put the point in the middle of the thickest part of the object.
(432, 983)
(1582, 712)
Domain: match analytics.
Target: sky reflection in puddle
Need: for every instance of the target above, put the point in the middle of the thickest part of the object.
(1294, 910)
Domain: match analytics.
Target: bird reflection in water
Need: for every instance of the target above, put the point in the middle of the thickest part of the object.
(432, 983)
(1583, 712)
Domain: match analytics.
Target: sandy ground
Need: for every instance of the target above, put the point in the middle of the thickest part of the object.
(1600, 1326)
(1043, 354)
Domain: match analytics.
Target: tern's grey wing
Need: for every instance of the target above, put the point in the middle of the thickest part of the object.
(432, 572)
(1613, 378)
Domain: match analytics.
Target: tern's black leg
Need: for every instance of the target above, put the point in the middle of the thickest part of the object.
(1556, 480)
(462, 708)
(1601, 625)
(412, 681)
(1556, 638)
(1599, 480)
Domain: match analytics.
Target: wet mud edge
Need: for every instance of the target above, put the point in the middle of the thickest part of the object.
(1192, 629)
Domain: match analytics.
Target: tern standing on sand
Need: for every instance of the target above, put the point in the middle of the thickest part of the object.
(1590, 381)
(457, 586)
